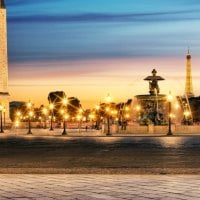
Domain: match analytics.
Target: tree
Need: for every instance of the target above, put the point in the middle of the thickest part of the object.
(56, 98)
(16, 106)
(73, 106)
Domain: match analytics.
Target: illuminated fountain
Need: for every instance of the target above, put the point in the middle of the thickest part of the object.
(152, 107)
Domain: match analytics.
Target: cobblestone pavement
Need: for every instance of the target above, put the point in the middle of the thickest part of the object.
(89, 187)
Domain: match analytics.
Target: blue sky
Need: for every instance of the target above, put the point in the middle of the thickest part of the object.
(81, 41)
(77, 29)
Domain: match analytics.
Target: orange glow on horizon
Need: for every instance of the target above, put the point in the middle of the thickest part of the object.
(121, 78)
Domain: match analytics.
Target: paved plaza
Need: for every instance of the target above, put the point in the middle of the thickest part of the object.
(133, 160)
(88, 187)
(160, 155)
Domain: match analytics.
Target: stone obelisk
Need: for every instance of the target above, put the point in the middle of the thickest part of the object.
(4, 94)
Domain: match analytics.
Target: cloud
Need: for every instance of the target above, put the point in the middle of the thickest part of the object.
(106, 17)
(25, 2)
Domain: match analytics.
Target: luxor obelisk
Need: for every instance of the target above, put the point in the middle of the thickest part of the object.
(4, 94)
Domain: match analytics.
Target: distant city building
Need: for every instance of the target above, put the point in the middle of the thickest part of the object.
(4, 94)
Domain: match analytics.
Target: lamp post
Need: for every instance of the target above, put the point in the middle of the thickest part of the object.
(30, 113)
(51, 106)
(18, 116)
(79, 117)
(108, 100)
(97, 108)
(4, 116)
(44, 110)
(1, 110)
(169, 98)
(64, 115)
(64, 127)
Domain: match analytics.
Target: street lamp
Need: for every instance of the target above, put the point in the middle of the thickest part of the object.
(79, 117)
(65, 118)
(169, 98)
(64, 102)
(18, 114)
(18, 117)
(64, 115)
(45, 111)
(97, 108)
(108, 100)
(4, 116)
(51, 107)
(1, 110)
(30, 115)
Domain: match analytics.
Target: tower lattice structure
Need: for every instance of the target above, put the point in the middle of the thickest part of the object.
(188, 85)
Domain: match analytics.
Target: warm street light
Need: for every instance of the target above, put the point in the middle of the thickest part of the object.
(80, 110)
(18, 114)
(29, 105)
(97, 107)
(1, 110)
(92, 116)
(17, 123)
(64, 102)
(169, 99)
(126, 108)
(51, 107)
(108, 98)
(138, 108)
(127, 116)
(187, 114)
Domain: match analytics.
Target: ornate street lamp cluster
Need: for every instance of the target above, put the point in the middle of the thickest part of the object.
(46, 113)
(103, 115)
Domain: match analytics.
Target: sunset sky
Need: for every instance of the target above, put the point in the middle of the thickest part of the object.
(89, 48)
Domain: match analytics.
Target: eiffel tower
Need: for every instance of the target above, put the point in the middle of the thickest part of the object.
(188, 85)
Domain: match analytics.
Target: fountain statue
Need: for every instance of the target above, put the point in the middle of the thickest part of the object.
(153, 105)
(153, 83)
